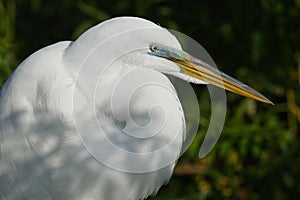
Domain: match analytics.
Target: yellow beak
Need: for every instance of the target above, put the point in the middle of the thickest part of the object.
(200, 70)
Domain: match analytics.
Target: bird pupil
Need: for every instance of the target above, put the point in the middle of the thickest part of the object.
(155, 48)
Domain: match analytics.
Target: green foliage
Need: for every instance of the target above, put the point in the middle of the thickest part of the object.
(256, 159)
(257, 156)
(7, 34)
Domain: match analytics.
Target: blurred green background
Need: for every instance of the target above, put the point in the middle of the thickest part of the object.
(258, 42)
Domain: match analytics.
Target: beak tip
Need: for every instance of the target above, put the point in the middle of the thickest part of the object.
(270, 102)
(265, 100)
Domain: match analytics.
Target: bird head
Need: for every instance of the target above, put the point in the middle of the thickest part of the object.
(146, 44)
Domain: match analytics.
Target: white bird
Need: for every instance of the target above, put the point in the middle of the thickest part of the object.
(79, 119)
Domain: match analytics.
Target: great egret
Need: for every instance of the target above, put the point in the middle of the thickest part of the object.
(51, 146)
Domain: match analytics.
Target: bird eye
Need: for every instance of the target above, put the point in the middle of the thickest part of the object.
(154, 48)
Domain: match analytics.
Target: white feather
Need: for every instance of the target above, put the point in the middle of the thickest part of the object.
(41, 152)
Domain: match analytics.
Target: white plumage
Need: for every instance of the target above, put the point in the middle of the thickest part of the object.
(97, 119)
(42, 155)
